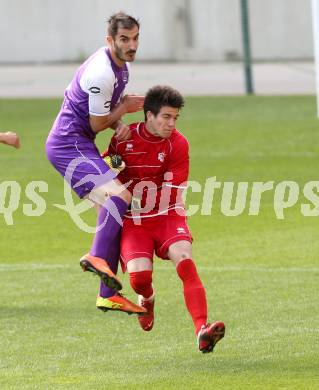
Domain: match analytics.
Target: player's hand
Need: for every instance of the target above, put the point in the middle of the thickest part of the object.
(115, 162)
(11, 139)
(133, 103)
(122, 132)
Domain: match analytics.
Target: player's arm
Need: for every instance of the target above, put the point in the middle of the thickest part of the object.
(10, 138)
(177, 173)
(128, 104)
(179, 163)
(98, 83)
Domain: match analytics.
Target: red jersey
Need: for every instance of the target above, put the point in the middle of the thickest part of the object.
(157, 168)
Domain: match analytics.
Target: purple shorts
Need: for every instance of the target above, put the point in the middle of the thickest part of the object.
(79, 162)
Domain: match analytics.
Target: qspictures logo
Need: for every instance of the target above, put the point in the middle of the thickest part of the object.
(235, 199)
(232, 199)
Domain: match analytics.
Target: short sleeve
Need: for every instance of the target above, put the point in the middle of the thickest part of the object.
(99, 85)
(179, 161)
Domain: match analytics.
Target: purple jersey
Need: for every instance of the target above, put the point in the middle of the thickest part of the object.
(95, 89)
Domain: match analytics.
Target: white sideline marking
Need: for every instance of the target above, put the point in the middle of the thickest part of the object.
(32, 267)
(43, 267)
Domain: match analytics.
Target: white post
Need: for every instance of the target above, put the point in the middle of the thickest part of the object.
(315, 25)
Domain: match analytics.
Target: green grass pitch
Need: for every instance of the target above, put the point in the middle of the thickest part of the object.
(261, 273)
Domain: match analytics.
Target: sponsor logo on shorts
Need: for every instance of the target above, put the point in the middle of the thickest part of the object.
(181, 230)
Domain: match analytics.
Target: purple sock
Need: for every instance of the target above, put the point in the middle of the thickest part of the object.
(106, 243)
(109, 223)
(113, 260)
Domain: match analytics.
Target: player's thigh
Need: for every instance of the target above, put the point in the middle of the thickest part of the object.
(172, 229)
(180, 250)
(111, 188)
(136, 243)
(80, 164)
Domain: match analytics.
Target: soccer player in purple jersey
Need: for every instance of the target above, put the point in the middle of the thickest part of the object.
(93, 102)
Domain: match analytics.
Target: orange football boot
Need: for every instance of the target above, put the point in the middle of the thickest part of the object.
(118, 303)
(100, 267)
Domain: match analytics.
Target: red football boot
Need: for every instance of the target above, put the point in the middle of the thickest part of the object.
(209, 335)
(146, 320)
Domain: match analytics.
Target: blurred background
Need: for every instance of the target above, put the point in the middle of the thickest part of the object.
(261, 274)
(195, 45)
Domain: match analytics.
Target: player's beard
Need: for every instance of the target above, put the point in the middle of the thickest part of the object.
(121, 55)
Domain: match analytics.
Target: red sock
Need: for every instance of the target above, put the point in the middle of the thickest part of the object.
(141, 283)
(194, 292)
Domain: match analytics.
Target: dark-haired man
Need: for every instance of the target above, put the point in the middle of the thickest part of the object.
(92, 103)
(157, 165)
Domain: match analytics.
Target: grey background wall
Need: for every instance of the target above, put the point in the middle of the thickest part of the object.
(172, 30)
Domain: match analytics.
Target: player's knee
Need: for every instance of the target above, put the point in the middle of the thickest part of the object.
(180, 251)
(114, 188)
(117, 189)
(185, 255)
(126, 196)
(179, 256)
(139, 264)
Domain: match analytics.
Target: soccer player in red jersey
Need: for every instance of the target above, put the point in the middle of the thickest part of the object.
(157, 166)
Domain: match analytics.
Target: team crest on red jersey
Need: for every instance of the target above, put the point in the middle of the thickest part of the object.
(129, 147)
(161, 156)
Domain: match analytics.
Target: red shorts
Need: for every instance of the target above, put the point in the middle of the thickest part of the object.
(154, 234)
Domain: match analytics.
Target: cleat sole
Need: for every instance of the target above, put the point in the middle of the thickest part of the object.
(105, 309)
(107, 280)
